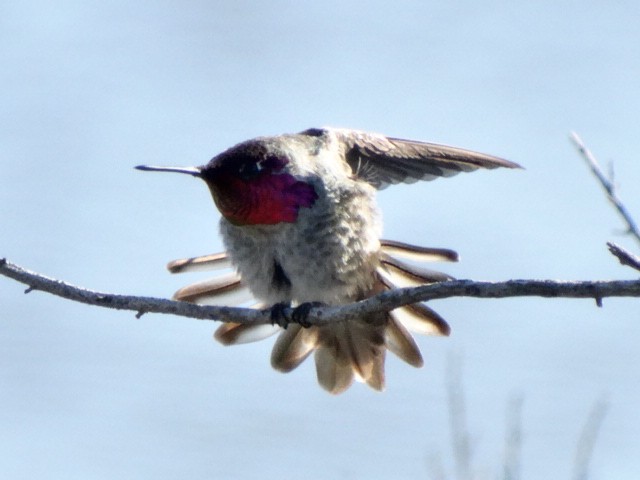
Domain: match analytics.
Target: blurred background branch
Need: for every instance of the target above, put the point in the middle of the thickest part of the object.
(513, 439)
(458, 426)
(587, 440)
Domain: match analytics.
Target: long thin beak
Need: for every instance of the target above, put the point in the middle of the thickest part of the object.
(195, 171)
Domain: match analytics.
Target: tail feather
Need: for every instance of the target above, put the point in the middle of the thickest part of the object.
(344, 352)
(419, 254)
(400, 274)
(399, 341)
(293, 346)
(333, 368)
(421, 319)
(376, 379)
(416, 317)
(214, 261)
(224, 290)
(363, 344)
(237, 333)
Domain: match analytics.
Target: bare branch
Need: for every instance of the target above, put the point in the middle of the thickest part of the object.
(141, 305)
(323, 315)
(607, 184)
(625, 257)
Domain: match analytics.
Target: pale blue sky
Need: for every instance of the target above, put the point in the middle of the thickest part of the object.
(90, 89)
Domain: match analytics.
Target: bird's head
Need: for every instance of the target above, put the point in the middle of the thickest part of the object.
(251, 185)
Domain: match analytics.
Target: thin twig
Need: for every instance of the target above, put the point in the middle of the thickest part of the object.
(607, 184)
(625, 257)
(323, 315)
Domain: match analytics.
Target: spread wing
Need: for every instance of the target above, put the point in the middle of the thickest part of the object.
(381, 160)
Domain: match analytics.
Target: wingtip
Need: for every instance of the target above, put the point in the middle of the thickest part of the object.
(514, 165)
(497, 162)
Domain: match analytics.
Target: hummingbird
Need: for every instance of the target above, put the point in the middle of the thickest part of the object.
(300, 226)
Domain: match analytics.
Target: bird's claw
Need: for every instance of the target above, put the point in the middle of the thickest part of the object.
(278, 314)
(301, 313)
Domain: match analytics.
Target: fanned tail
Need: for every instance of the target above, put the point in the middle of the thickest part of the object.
(345, 351)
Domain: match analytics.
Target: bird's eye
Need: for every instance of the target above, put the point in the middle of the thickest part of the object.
(249, 170)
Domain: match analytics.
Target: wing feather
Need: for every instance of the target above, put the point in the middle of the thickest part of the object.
(382, 161)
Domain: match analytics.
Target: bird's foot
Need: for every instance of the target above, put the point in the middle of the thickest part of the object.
(278, 314)
(301, 313)
(282, 316)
